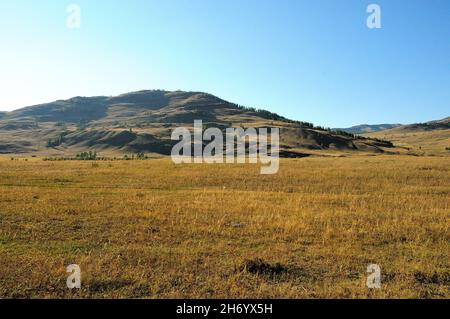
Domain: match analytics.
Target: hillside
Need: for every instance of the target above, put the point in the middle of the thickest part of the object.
(143, 121)
(367, 128)
(430, 138)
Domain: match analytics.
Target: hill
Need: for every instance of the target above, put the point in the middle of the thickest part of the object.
(143, 121)
(430, 138)
(367, 128)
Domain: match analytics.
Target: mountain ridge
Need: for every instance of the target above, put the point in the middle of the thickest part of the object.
(142, 121)
(368, 128)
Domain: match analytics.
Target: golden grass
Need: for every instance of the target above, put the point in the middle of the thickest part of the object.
(152, 229)
(433, 142)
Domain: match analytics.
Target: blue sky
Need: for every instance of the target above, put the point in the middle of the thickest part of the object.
(311, 60)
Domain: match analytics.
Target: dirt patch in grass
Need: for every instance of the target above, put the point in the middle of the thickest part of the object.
(107, 285)
(434, 278)
(260, 267)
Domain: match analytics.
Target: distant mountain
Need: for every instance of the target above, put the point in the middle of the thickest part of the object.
(443, 121)
(443, 124)
(366, 128)
(427, 126)
(143, 121)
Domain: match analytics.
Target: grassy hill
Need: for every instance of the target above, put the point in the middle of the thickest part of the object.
(367, 128)
(431, 138)
(143, 121)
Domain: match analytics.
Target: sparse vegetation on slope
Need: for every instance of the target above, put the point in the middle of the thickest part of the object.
(142, 122)
(429, 138)
(366, 128)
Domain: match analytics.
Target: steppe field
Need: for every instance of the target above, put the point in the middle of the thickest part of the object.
(153, 229)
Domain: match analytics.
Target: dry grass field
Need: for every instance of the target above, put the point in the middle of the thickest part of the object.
(152, 229)
(432, 142)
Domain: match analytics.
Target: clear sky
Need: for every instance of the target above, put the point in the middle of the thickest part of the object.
(311, 60)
